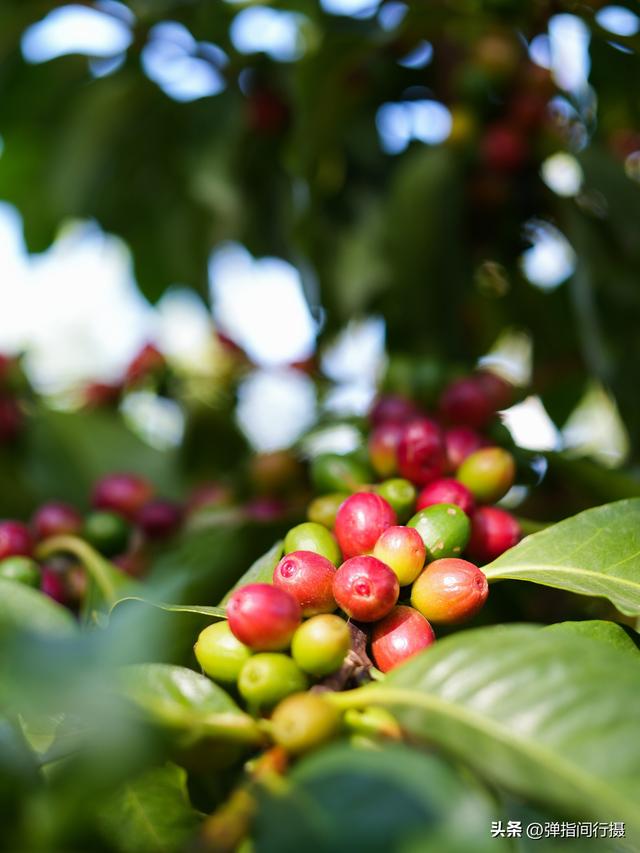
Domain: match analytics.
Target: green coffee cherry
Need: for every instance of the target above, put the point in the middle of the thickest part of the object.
(323, 509)
(310, 536)
(320, 645)
(220, 654)
(268, 677)
(488, 473)
(331, 472)
(445, 530)
(303, 722)
(20, 569)
(107, 531)
(400, 494)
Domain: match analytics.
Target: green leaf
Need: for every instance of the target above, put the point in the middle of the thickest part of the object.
(596, 552)
(68, 451)
(553, 717)
(202, 610)
(598, 629)
(27, 609)
(180, 699)
(261, 571)
(151, 813)
(396, 798)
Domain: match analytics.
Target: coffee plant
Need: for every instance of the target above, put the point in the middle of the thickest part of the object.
(424, 638)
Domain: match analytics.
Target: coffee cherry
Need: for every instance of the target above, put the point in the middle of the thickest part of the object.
(498, 391)
(303, 722)
(488, 473)
(383, 448)
(308, 577)
(444, 528)
(108, 532)
(134, 562)
(320, 644)
(323, 509)
(20, 569)
(503, 148)
(15, 539)
(332, 472)
(52, 584)
(159, 519)
(446, 491)
(402, 549)
(399, 636)
(11, 419)
(122, 493)
(266, 679)
(465, 402)
(311, 536)
(360, 521)
(263, 617)
(421, 451)
(99, 395)
(265, 509)
(148, 361)
(392, 408)
(400, 495)
(55, 519)
(220, 654)
(365, 588)
(493, 531)
(461, 441)
(450, 591)
(208, 496)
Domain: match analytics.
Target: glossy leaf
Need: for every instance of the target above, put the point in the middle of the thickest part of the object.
(151, 813)
(394, 798)
(201, 610)
(181, 699)
(27, 609)
(596, 552)
(598, 629)
(553, 717)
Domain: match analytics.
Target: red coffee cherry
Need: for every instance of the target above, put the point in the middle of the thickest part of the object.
(365, 588)
(498, 391)
(55, 519)
(383, 448)
(263, 617)
(450, 591)
(15, 539)
(308, 577)
(360, 522)
(503, 148)
(52, 584)
(465, 402)
(392, 408)
(421, 451)
(11, 419)
(159, 519)
(149, 360)
(460, 442)
(125, 494)
(446, 491)
(493, 531)
(399, 636)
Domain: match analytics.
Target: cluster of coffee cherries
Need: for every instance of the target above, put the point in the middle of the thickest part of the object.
(389, 558)
(126, 517)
